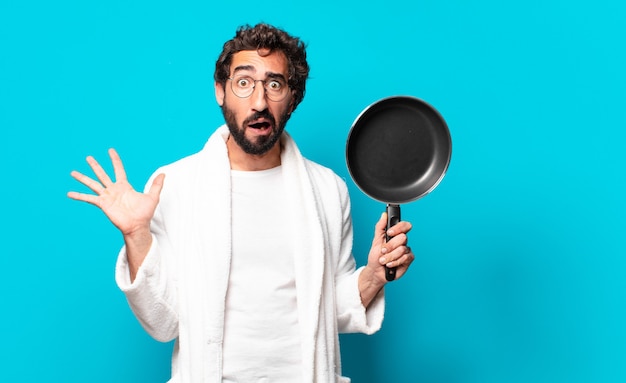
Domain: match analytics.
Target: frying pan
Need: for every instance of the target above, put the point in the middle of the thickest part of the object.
(398, 150)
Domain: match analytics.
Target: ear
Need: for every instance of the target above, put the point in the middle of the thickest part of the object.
(219, 93)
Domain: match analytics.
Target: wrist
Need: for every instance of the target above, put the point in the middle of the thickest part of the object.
(374, 277)
(138, 244)
(370, 284)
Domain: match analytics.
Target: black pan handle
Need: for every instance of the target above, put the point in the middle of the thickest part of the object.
(393, 217)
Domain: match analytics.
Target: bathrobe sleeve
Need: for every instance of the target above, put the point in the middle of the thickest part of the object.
(352, 316)
(152, 295)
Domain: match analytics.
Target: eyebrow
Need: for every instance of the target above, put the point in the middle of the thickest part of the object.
(251, 68)
(244, 67)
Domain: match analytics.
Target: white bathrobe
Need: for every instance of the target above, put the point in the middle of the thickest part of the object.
(180, 290)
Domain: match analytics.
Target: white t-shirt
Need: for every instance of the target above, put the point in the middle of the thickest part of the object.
(261, 333)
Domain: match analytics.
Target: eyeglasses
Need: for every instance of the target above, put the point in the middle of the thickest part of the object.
(276, 89)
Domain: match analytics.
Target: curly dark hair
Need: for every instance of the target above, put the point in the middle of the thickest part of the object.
(266, 37)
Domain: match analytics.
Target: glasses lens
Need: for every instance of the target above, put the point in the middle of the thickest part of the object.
(275, 89)
(242, 86)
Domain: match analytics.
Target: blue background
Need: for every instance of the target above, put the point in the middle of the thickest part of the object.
(520, 266)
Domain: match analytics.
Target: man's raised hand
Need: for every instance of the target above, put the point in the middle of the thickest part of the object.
(130, 211)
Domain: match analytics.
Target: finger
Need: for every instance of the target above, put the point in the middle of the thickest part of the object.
(99, 172)
(400, 227)
(404, 260)
(410, 256)
(398, 254)
(157, 186)
(118, 166)
(89, 198)
(87, 181)
(396, 241)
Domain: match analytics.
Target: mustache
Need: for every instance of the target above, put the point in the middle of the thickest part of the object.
(258, 115)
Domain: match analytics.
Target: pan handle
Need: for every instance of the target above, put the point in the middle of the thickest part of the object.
(393, 217)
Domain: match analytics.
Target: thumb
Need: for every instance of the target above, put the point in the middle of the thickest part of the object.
(157, 186)
(381, 227)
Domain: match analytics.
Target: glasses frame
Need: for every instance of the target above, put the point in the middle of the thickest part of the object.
(254, 81)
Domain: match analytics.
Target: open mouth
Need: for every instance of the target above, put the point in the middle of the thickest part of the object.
(261, 125)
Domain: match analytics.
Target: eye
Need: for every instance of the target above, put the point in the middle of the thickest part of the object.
(274, 85)
(244, 82)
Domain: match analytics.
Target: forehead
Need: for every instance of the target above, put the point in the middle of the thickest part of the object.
(275, 62)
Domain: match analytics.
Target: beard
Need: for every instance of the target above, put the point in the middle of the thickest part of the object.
(262, 144)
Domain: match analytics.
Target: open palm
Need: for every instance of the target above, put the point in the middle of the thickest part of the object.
(126, 208)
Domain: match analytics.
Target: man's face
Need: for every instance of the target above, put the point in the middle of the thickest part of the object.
(255, 122)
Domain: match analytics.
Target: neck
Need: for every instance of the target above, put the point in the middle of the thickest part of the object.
(240, 160)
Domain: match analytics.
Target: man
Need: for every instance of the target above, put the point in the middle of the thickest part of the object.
(242, 251)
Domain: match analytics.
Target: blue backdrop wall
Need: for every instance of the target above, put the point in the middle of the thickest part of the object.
(520, 266)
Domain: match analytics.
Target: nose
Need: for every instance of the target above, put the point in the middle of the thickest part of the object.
(259, 101)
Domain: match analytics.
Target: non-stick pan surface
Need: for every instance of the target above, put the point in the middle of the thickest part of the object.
(398, 149)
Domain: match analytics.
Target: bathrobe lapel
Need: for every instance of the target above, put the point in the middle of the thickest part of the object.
(207, 265)
(310, 252)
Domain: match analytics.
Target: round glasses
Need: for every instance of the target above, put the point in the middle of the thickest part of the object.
(276, 89)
